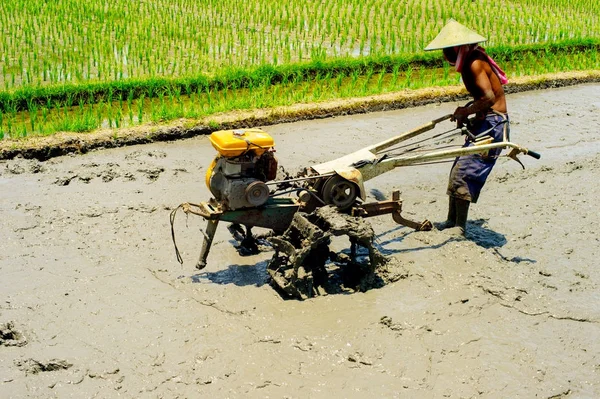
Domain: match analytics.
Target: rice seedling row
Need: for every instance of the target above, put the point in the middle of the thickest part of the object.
(72, 41)
(67, 94)
(200, 101)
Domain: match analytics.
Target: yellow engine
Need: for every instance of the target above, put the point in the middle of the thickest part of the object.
(245, 162)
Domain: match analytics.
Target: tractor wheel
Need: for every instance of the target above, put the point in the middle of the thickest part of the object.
(339, 192)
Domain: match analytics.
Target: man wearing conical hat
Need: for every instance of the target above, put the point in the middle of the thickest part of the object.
(485, 115)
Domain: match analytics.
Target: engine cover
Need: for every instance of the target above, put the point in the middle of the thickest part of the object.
(244, 193)
(232, 182)
(245, 162)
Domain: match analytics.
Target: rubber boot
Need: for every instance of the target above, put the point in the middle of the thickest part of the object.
(451, 220)
(462, 212)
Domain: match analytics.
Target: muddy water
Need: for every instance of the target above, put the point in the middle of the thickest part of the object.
(91, 287)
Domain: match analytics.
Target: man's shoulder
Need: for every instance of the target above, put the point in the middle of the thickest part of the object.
(478, 62)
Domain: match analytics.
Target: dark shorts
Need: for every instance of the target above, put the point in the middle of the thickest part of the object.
(469, 172)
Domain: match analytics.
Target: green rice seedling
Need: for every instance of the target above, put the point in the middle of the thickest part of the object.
(408, 76)
(317, 90)
(395, 72)
(209, 99)
(422, 73)
(140, 109)
(99, 114)
(118, 117)
(130, 115)
(44, 115)
(380, 80)
(9, 123)
(339, 80)
(354, 79)
(33, 114)
(446, 72)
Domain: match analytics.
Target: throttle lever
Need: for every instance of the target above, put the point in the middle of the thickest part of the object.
(464, 130)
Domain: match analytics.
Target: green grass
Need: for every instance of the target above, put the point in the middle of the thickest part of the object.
(73, 65)
(80, 41)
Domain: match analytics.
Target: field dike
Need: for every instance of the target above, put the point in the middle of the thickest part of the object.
(43, 148)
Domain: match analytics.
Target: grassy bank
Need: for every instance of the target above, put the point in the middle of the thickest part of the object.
(45, 147)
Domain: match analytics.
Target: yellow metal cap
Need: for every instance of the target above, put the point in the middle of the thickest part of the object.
(233, 143)
(454, 34)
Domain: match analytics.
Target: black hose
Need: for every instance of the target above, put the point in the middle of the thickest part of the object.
(172, 219)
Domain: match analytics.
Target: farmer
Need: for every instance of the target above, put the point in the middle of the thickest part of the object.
(483, 79)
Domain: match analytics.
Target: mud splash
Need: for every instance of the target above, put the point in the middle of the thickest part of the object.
(32, 366)
(299, 267)
(10, 336)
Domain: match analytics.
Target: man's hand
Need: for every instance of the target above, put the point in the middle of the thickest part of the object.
(460, 116)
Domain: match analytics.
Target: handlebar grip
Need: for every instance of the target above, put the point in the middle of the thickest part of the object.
(534, 154)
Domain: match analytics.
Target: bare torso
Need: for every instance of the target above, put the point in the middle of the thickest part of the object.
(483, 84)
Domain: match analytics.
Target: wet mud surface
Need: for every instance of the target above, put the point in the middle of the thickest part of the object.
(94, 304)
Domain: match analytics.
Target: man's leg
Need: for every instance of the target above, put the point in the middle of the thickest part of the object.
(451, 220)
(462, 212)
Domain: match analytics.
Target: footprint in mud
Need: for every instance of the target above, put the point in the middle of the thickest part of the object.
(107, 173)
(65, 180)
(10, 336)
(32, 366)
(152, 154)
(19, 166)
(152, 173)
(177, 171)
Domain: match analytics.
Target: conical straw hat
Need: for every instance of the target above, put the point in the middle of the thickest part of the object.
(454, 34)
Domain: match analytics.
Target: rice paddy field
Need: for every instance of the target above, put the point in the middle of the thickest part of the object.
(68, 65)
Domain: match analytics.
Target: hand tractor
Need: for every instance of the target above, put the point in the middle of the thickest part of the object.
(304, 211)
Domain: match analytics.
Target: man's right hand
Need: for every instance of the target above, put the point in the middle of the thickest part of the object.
(460, 116)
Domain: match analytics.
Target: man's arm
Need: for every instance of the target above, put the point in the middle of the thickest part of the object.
(483, 87)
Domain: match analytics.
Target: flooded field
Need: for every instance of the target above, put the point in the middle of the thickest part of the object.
(95, 304)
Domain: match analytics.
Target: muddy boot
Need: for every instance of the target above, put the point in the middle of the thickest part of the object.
(462, 211)
(451, 220)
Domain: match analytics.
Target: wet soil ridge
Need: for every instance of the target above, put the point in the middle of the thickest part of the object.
(32, 366)
(299, 267)
(43, 148)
